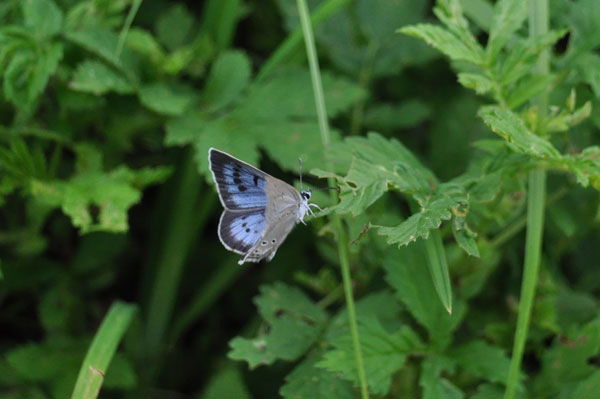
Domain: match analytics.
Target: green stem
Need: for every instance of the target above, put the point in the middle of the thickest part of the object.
(341, 232)
(128, 21)
(291, 43)
(538, 25)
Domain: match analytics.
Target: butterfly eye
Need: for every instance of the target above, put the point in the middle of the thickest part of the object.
(305, 195)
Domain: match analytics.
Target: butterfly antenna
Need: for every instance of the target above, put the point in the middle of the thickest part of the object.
(300, 161)
(327, 188)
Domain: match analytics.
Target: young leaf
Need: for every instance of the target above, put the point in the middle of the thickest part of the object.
(510, 127)
(42, 17)
(406, 271)
(383, 354)
(97, 78)
(295, 322)
(480, 83)
(586, 166)
(308, 381)
(229, 75)
(482, 360)
(509, 15)
(445, 41)
(464, 237)
(434, 386)
(166, 99)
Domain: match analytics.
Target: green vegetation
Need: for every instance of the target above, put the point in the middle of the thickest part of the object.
(458, 259)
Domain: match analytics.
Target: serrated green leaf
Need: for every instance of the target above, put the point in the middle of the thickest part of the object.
(511, 128)
(435, 386)
(308, 381)
(437, 207)
(464, 237)
(142, 42)
(445, 41)
(166, 99)
(407, 272)
(377, 165)
(509, 15)
(28, 72)
(229, 75)
(481, 84)
(42, 17)
(101, 42)
(383, 354)
(482, 360)
(450, 13)
(97, 78)
(95, 200)
(565, 364)
(585, 166)
(295, 323)
(567, 119)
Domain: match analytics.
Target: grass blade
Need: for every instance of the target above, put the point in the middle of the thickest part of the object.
(102, 349)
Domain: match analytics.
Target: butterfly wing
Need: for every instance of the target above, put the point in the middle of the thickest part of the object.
(281, 215)
(239, 231)
(240, 186)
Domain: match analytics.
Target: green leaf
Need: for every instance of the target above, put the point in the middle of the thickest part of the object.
(268, 117)
(101, 42)
(586, 166)
(434, 386)
(511, 128)
(308, 381)
(586, 389)
(527, 88)
(377, 165)
(166, 99)
(464, 237)
(565, 364)
(482, 360)
(444, 41)
(97, 78)
(447, 200)
(509, 15)
(438, 268)
(27, 73)
(226, 383)
(480, 83)
(229, 75)
(95, 200)
(407, 114)
(383, 354)
(42, 17)
(294, 321)
(176, 16)
(35, 362)
(407, 273)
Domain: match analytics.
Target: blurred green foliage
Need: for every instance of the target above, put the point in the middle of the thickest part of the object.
(108, 108)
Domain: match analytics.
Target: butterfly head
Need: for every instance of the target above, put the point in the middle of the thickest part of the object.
(306, 194)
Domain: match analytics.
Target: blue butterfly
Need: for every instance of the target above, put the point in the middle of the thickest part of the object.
(260, 210)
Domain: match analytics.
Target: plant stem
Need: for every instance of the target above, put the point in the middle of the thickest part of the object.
(341, 232)
(538, 25)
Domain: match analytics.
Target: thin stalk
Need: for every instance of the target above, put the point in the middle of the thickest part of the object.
(341, 232)
(538, 25)
(294, 39)
(128, 21)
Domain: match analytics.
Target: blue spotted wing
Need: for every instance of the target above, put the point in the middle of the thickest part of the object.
(240, 186)
(239, 231)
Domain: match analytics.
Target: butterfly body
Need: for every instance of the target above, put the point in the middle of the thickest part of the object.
(260, 210)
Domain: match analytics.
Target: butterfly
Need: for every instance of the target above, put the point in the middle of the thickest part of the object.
(260, 210)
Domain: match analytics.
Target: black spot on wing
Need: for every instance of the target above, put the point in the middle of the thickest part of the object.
(230, 234)
(255, 181)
